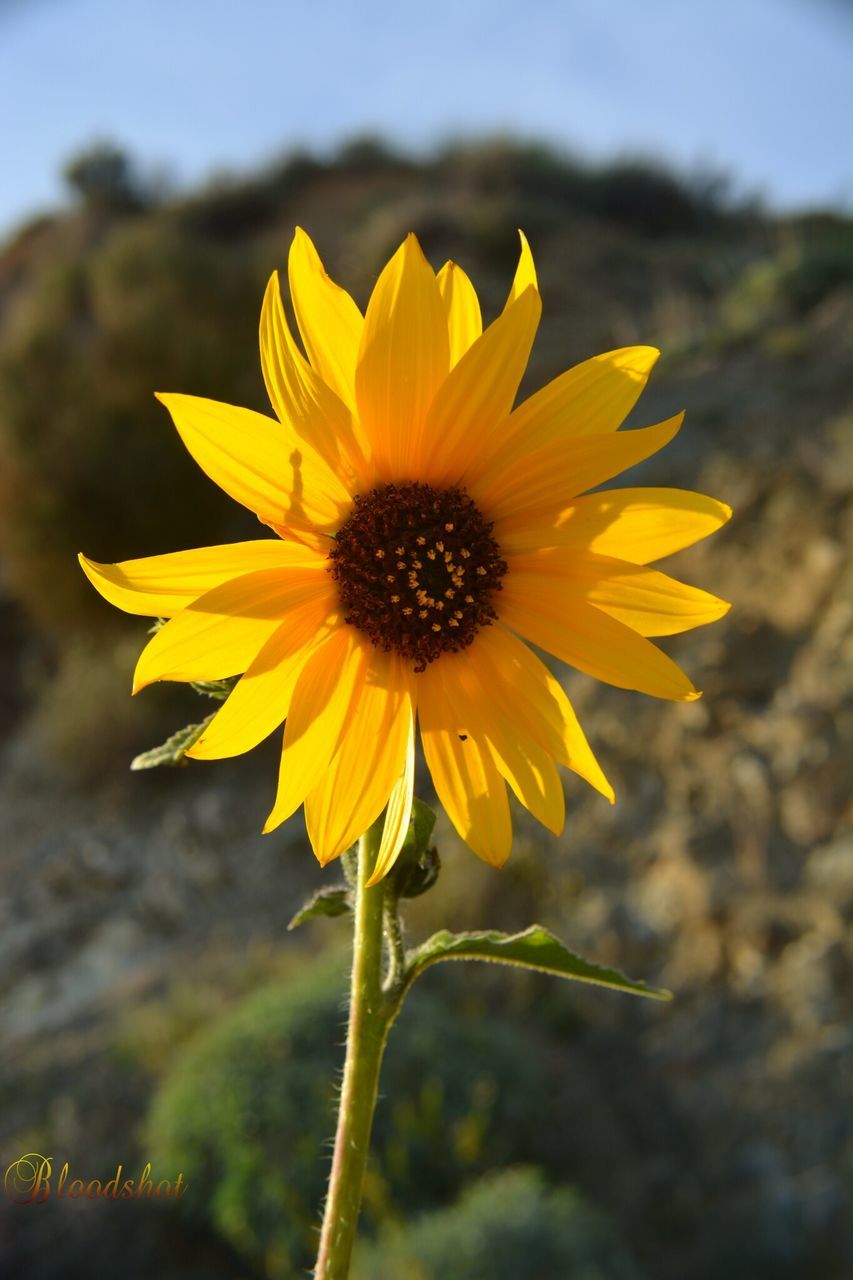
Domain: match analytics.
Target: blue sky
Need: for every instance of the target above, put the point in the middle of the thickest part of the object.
(763, 88)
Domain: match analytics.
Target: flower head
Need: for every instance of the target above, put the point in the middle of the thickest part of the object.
(425, 530)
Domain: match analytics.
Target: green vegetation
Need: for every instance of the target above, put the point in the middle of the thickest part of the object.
(247, 1110)
(505, 1226)
(783, 287)
(103, 177)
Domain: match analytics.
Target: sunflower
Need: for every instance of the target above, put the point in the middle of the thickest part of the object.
(427, 533)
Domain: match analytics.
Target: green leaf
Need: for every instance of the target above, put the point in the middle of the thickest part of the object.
(535, 948)
(216, 689)
(172, 751)
(334, 901)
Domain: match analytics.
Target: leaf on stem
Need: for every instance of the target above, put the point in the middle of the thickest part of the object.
(535, 948)
(216, 689)
(172, 751)
(334, 901)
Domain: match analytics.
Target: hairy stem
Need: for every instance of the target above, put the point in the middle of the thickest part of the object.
(394, 942)
(369, 1019)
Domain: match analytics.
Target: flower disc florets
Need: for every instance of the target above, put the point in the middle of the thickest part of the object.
(416, 569)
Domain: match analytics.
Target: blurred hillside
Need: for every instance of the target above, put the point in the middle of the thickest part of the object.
(143, 916)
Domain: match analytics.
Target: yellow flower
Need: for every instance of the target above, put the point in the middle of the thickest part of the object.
(425, 531)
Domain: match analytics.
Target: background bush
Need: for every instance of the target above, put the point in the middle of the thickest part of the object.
(247, 1112)
(505, 1226)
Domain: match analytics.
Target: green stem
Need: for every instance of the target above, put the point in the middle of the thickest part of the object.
(369, 1019)
(395, 976)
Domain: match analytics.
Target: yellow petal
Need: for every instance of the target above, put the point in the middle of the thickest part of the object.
(530, 772)
(322, 701)
(221, 632)
(528, 692)
(467, 782)
(520, 759)
(534, 778)
(398, 813)
(260, 463)
(356, 786)
(640, 525)
(404, 358)
(540, 485)
(300, 397)
(161, 586)
(592, 398)
(478, 393)
(329, 321)
(589, 639)
(525, 273)
(260, 700)
(648, 601)
(464, 322)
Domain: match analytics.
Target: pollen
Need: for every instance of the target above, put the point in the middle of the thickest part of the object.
(403, 522)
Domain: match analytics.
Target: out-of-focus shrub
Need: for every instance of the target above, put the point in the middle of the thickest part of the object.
(815, 269)
(369, 153)
(787, 285)
(647, 198)
(90, 460)
(507, 1227)
(248, 1107)
(104, 177)
(548, 185)
(87, 724)
(236, 209)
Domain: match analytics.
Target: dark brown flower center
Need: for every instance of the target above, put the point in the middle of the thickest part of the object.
(417, 569)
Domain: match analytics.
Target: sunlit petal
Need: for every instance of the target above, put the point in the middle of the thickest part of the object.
(464, 322)
(324, 698)
(467, 782)
(258, 462)
(161, 586)
(541, 484)
(592, 398)
(478, 394)
(364, 770)
(640, 525)
(589, 639)
(507, 665)
(526, 766)
(222, 632)
(525, 273)
(300, 397)
(403, 359)
(398, 812)
(260, 700)
(646, 600)
(329, 321)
